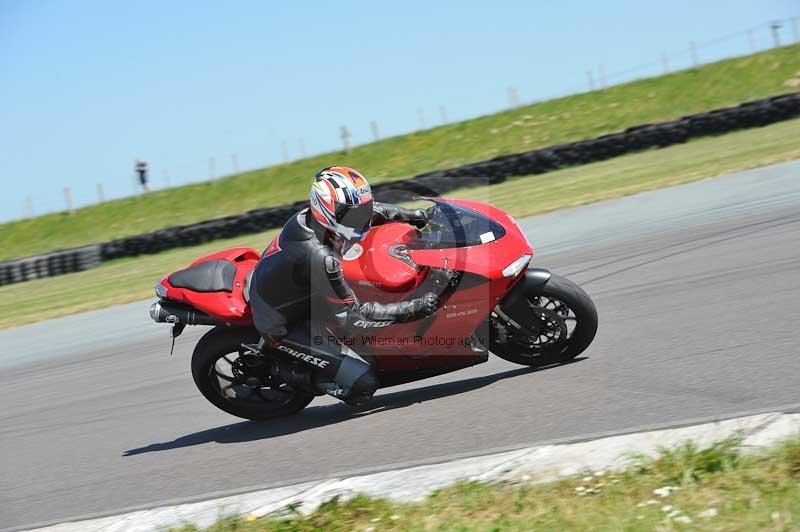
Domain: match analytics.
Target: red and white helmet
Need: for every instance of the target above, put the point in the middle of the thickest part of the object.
(341, 200)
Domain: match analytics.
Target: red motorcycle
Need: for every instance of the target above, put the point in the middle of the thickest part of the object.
(474, 256)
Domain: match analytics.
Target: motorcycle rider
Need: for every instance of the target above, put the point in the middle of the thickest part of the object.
(298, 282)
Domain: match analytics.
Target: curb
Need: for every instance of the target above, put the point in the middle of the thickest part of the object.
(540, 463)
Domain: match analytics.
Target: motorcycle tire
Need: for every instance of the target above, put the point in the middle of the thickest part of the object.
(222, 341)
(585, 313)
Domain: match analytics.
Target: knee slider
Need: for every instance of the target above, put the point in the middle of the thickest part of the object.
(365, 385)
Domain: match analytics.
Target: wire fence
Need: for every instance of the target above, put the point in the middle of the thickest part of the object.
(761, 37)
(758, 38)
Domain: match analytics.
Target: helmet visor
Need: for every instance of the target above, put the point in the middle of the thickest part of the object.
(356, 218)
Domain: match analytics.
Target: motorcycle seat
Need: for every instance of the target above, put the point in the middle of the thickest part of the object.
(209, 276)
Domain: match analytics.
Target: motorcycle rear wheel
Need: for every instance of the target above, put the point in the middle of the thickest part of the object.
(240, 383)
(557, 306)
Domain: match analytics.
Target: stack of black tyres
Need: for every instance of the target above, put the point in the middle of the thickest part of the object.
(50, 264)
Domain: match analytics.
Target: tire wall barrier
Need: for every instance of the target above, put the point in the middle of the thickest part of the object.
(747, 115)
(50, 264)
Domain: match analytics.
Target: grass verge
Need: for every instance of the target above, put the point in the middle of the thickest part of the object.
(525, 128)
(132, 279)
(717, 488)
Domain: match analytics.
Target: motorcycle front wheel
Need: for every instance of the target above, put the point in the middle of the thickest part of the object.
(240, 382)
(551, 324)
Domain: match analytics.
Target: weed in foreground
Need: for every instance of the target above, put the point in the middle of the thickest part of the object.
(688, 463)
(720, 489)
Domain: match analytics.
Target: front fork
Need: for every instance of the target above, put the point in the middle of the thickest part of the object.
(516, 301)
(531, 284)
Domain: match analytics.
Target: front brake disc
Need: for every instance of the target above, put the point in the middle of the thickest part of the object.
(550, 329)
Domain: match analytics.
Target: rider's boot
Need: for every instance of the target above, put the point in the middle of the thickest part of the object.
(348, 378)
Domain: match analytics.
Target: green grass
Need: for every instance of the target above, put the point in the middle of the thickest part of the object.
(132, 279)
(565, 119)
(113, 283)
(719, 489)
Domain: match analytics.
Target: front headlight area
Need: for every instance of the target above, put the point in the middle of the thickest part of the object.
(513, 269)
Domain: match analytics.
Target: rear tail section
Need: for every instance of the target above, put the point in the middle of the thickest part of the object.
(212, 290)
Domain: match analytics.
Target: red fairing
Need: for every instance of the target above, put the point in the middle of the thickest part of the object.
(230, 307)
(424, 344)
(377, 271)
(371, 269)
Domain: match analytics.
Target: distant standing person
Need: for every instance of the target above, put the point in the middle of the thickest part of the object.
(141, 169)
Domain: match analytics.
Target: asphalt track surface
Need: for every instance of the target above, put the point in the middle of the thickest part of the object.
(698, 292)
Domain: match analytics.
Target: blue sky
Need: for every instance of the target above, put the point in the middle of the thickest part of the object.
(88, 86)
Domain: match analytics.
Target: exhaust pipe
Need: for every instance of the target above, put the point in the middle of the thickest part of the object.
(165, 312)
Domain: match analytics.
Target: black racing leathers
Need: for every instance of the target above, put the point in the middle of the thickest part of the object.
(298, 284)
(299, 278)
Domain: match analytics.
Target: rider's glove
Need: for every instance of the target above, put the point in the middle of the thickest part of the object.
(425, 306)
(421, 217)
(401, 312)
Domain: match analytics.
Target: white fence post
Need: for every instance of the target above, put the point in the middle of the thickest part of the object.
(376, 134)
(513, 97)
(101, 197)
(68, 199)
(346, 140)
(212, 169)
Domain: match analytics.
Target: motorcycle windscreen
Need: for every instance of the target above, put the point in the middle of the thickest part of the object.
(454, 226)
